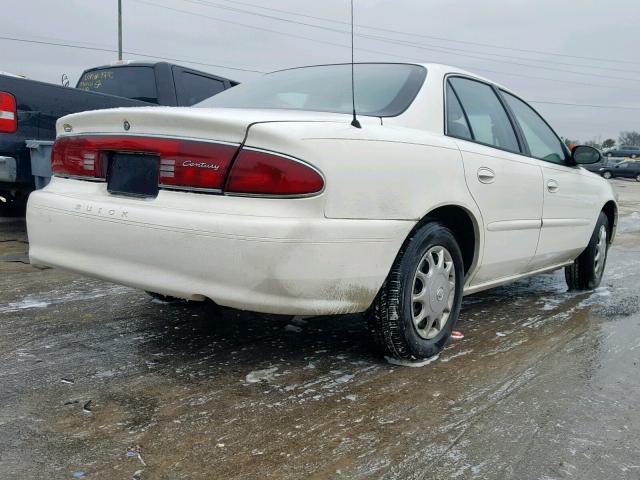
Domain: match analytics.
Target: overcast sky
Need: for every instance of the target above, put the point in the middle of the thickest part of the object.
(589, 51)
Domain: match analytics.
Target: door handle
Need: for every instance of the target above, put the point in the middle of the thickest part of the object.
(486, 175)
(553, 186)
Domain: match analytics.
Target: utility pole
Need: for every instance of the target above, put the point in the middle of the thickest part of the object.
(119, 29)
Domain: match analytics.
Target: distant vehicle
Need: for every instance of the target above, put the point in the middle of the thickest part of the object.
(625, 169)
(269, 198)
(601, 166)
(631, 152)
(29, 109)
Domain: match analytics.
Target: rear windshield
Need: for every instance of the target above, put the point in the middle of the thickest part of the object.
(381, 89)
(138, 83)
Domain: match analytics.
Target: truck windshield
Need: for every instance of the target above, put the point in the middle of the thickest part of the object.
(138, 83)
(381, 89)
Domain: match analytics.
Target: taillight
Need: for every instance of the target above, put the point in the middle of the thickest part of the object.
(8, 113)
(255, 172)
(190, 165)
(195, 165)
(77, 157)
(182, 163)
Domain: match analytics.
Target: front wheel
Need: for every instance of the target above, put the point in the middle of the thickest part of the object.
(607, 175)
(586, 271)
(638, 178)
(419, 303)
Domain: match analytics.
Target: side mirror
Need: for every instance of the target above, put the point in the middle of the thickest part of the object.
(585, 155)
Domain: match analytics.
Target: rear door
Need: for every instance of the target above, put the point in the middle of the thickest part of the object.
(570, 193)
(505, 183)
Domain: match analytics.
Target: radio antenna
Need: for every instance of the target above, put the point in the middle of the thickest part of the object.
(355, 121)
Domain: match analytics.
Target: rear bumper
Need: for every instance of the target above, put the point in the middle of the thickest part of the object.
(286, 265)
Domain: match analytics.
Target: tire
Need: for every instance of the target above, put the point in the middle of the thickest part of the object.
(607, 174)
(586, 271)
(432, 254)
(638, 177)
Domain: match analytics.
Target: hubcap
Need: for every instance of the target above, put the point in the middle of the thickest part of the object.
(434, 288)
(601, 250)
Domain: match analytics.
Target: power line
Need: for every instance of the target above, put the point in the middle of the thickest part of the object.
(434, 37)
(68, 45)
(614, 107)
(387, 39)
(109, 50)
(139, 54)
(435, 48)
(325, 42)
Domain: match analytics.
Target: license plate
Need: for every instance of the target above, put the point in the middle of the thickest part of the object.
(133, 174)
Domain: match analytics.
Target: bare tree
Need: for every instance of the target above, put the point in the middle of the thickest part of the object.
(629, 139)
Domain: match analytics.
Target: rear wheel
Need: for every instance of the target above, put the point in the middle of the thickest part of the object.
(607, 175)
(419, 303)
(638, 177)
(586, 271)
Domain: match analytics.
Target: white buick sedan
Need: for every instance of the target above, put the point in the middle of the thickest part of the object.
(268, 198)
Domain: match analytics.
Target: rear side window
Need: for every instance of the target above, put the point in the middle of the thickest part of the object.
(457, 125)
(488, 119)
(136, 82)
(543, 143)
(193, 88)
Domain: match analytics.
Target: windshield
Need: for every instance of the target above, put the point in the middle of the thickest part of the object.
(381, 89)
(138, 83)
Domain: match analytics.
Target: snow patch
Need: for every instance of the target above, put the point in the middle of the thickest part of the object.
(57, 296)
(411, 363)
(459, 354)
(265, 375)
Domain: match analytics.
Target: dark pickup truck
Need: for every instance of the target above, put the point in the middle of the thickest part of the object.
(29, 109)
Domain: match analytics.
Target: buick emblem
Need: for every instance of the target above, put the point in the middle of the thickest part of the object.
(126, 125)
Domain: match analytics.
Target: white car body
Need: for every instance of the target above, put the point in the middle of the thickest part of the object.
(324, 254)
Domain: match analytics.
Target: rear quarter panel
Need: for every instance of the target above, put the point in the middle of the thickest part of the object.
(377, 172)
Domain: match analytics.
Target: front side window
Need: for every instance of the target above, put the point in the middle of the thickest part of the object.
(381, 89)
(543, 143)
(487, 117)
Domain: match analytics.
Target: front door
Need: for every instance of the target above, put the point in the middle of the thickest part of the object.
(506, 185)
(569, 194)
(625, 169)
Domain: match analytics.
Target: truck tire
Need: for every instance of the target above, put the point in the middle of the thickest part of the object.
(585, 273)
(413, 314)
